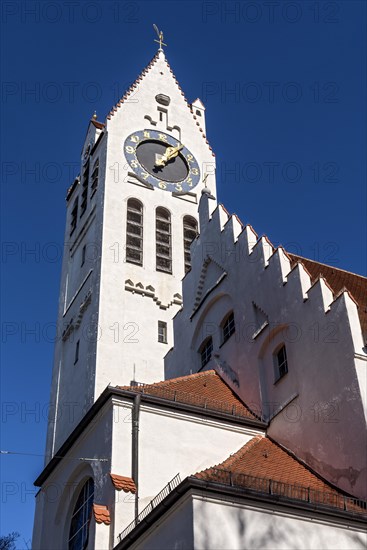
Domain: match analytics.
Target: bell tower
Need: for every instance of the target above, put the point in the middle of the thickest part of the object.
(131, 216)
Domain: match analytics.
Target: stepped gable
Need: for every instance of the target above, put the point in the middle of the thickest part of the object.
(339, 280)
(264, 459)
(200, 389)
(136, 83)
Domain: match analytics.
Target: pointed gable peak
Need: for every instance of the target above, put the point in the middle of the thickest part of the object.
(160, 80)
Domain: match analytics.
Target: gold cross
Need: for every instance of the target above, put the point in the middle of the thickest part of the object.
(160, 36)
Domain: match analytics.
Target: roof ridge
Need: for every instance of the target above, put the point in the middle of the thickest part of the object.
(177, 379)
(185, 377)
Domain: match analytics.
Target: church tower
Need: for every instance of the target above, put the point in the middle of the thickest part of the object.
(131, 216)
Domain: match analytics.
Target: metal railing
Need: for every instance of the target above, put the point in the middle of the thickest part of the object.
(316, 497)
(152, 504)
(196, 400)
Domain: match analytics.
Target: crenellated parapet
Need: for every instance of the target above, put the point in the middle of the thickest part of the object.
(317, 395)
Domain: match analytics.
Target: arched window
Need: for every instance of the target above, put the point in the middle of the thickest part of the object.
(228, 326)
(190, 230)
(94, 178)
(280, 362)
(163, 240)
(79, 526)
(134, 232)
(206, 350)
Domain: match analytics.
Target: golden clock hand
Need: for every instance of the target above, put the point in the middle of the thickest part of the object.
(170, 153)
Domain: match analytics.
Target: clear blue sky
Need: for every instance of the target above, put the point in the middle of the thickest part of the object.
(285, 92)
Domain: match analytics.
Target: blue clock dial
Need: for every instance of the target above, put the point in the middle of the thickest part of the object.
(161, 161)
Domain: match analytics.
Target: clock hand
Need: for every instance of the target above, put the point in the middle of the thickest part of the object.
(170, 153)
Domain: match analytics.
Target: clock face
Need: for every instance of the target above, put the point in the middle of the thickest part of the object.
(161, 161)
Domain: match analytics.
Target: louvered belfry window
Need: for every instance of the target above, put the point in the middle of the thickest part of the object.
(134, 232)
(163, 240)
(94, 178)
(190, 230)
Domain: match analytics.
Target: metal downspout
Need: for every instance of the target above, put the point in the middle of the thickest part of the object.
(135, 449)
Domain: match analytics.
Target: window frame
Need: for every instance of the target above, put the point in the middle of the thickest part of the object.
(228, 319)
(163, 240)
(204, 355)
(188, 227)
(134, 208)
(279, 371)
(162, 335)
(84, 507)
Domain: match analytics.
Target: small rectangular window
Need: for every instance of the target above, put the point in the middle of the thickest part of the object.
(162, 332)
(280, 363)
(83, 255)
(94, 178)
(76, 358)
(205, 351)
(74, 217)
(85, 180)
(228, 327)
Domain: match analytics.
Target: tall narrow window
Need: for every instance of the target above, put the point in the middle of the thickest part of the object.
(228, 327)
(280, 363)
(206, 350)
(76, 358)
(163, 240)
(84, 249)
(74, 217)
(190, 230)
(79, 526)
(85, 180)
(94, 178)
(162, 332)
(134, 232)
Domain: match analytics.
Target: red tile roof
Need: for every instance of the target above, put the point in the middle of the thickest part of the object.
(339, 280)
(101, 514)
(202, 389)
(125, 484)
(264, 466)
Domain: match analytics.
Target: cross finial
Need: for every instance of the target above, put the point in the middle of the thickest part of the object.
(160, 37)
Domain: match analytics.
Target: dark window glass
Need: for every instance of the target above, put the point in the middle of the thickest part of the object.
(79, 525)
(281, 364)
(162, 332)
(163, 240)
(205, 351)
(228, 327)
(134, 232)
(190, 230)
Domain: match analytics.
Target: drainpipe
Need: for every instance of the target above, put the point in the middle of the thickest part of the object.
(135, 449)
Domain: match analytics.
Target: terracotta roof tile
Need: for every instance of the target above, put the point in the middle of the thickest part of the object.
(260, 457)
(262, 460)
(339, 280)
(101, 514)
(203, 389)
(122, 483)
